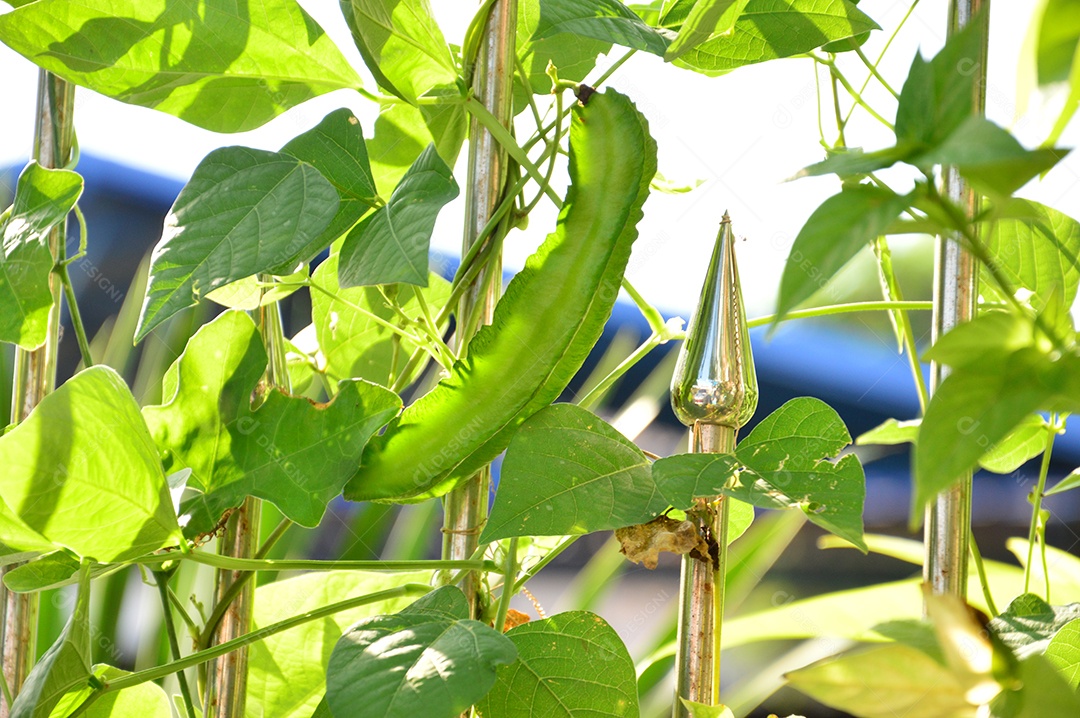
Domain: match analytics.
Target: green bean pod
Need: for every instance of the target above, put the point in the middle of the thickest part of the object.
(544, 326)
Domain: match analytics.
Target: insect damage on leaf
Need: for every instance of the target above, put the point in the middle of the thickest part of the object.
(643, 543)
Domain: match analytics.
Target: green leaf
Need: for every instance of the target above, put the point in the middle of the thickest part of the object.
(573, 56)
(1072, 102)
(571, 664)
(771, 29)
(352, 344)
(1069, 482)
(403, 131)
(216, 64)
(1026, 441)
(568, 472)
(994, 335)
(289, 451)
(65, 667)
(1059, 36)
(884, 682)
(1063, 652)
(706, 18)
(604, 20)
(250, 293)
(287, 671)
(418, 661)
(243, 211)
(401, 44)
(392, 244)
(336, 148)
(144, 700)
(834, 233)
(891, 432)
(937, 96)
(989, 158)
(1039, 252)
(975, 408)
(83, 472)
(1041, 692)
(700, 710)
(781, 464)
(43, 198)
(1029, 623)
(853, 162)
(52, 570)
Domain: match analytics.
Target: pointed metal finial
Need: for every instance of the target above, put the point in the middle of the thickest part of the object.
(714, 381)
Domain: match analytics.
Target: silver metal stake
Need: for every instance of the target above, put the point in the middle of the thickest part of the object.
(956, 291)
(35, 374)
(465, 508)
(714, 392)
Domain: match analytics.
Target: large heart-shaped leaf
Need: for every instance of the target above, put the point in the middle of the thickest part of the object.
(218, 64)
(425, 660)
(287, 671)
(43, 198)
(1029, 623)
(83, 472)
(782, 463)
(402, 45)
(571, 664)
(568, 472)
(392, 244)
(352, 343)
(336, 148)
(290, 451)
(243, 211)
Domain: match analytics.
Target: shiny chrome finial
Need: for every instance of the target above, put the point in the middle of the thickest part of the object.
(714, 381)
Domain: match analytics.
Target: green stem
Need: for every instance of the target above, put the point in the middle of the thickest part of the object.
(872, 67)
(8, 698)
(597, 392)
(884, 50)
(232, 563)
(980, 569)
(548, 558)
(162, 578)
(200, 657)
(553, 146)
(652, 314)
(1036, 511)
(178, 605)
(76, 317)
(614, 66)
(506, 140)
(509, 572)
(855, 95)
(841, 309)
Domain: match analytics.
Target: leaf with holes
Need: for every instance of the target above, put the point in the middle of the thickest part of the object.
(290, 451)
(571, 664)
(243, 211)
(568, 472)
(392, 244)
(43, 198)
(428, 659)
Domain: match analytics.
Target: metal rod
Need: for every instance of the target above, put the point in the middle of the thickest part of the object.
(956, 290)
(35, 374)
(465, 508)
(226, 685)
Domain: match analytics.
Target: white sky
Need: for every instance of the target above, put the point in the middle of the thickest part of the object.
(743, 133)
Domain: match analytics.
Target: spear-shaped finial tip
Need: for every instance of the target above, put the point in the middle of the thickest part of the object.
(714, 381)
(725, 219)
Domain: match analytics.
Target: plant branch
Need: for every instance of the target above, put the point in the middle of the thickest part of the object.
(251, 564)
(1036, 510)
(509, 572)
(162, 578)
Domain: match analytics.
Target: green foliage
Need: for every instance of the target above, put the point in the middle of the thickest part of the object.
(287, 672)
(426, 659)
(605, 20)
(351, 342)
(43, 198)
(471, 416)
(243, 211)
(401, 44)
(573, 56)
(567, 665)
(288, 450)
(1063, 651)
(568, 472)
(403, 131)
(218, 65)
(83, 473)
(1029, 623)
(705, 19)
(392, 244)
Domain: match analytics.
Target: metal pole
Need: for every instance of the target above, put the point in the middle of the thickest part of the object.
(226, 685)
(465, 508)
(956, 291)
(35, 373)
(714, 392)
